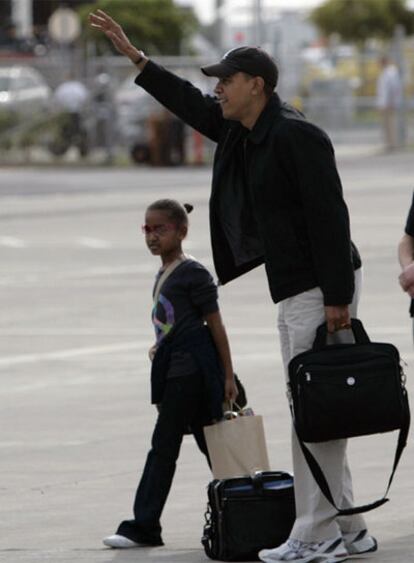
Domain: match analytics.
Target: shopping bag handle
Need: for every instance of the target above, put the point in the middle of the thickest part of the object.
(231, 405)
(359, 332)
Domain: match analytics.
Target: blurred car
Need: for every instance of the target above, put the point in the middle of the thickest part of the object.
(134, 106)
(138, 112)
(23, 90)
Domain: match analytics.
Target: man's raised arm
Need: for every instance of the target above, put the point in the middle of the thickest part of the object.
(178, 95)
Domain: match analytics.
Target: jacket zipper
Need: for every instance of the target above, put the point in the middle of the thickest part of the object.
(245, 160)
(229, 130)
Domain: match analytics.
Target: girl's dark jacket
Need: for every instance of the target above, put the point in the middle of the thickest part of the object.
(199, 343)
(276, 194)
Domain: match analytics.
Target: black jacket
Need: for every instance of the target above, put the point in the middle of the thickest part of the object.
(276, 194)
(199, 343)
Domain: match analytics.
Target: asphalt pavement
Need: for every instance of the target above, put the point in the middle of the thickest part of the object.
(75, 416)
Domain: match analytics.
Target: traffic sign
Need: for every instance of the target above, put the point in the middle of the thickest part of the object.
(64, 25)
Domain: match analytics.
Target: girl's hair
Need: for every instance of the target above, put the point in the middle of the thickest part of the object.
(176, 212)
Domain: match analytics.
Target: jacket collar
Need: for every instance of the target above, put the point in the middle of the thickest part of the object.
(265, 120)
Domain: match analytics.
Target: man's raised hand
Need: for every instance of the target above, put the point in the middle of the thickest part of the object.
(102, 21)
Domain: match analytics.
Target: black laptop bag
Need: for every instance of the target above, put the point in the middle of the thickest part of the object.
(245, 515)
(346, 390)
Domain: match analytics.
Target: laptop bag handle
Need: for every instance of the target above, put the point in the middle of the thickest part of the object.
(359, 332)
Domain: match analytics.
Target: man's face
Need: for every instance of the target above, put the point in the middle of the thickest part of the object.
(235, 95)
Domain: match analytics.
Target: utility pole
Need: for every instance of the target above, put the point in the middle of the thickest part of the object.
(219, 23)
(257, 22)
(22, 17)
(399, 59)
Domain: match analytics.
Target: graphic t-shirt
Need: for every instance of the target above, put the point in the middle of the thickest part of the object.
(187, 295)
(409, 230)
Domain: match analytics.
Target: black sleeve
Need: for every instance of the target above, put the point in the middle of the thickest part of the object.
(409, 226)
(203, 290)
(310, 155)
(183, 99)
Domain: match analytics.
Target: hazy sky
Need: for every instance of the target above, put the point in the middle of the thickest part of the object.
(205, 8)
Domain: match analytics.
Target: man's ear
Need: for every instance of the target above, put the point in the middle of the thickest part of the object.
(258, 85)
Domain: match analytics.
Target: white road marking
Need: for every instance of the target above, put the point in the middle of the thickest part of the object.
(73, 353)
(263, 331)
(19, 278)
(104, 271)
(41, 443)
(12, 242)
(262, 357)
(74, 331)
(108, 349)
(94, 242)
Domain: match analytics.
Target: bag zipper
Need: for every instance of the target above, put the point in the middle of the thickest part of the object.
(322, 367)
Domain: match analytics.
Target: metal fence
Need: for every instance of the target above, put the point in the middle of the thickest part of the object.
(331, 101)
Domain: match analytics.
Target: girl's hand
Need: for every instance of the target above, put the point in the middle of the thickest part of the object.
(152, 351)
(102, 21)
(407, 278)
(230, 390)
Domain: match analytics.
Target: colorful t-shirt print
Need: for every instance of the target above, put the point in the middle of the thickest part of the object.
(163, 328)
(187, 295)
(409, 230)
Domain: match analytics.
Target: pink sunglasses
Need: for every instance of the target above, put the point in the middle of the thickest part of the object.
(158, 229)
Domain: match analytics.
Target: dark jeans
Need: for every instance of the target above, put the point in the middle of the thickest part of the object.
(181, 402)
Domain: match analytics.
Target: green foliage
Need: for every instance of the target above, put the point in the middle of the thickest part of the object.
(8, 120)
(36, 132)
(359, 20)
(20, 132)
(155, 26)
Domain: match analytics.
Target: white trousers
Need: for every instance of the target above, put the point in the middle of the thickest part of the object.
(316, 520)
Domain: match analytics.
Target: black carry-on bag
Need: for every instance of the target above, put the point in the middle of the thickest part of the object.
(346, 390)
(247, 514)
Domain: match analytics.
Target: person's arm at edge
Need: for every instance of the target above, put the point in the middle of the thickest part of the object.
(218, 332)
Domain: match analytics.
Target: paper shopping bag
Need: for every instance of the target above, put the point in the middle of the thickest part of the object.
(237, 447)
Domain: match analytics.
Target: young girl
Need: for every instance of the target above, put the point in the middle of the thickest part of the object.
(191, 371)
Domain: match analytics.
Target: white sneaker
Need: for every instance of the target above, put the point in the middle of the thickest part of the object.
(120, 542)
(329, 551)
(359, 543)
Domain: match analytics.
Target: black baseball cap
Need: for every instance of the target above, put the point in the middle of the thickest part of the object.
(252, 60)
